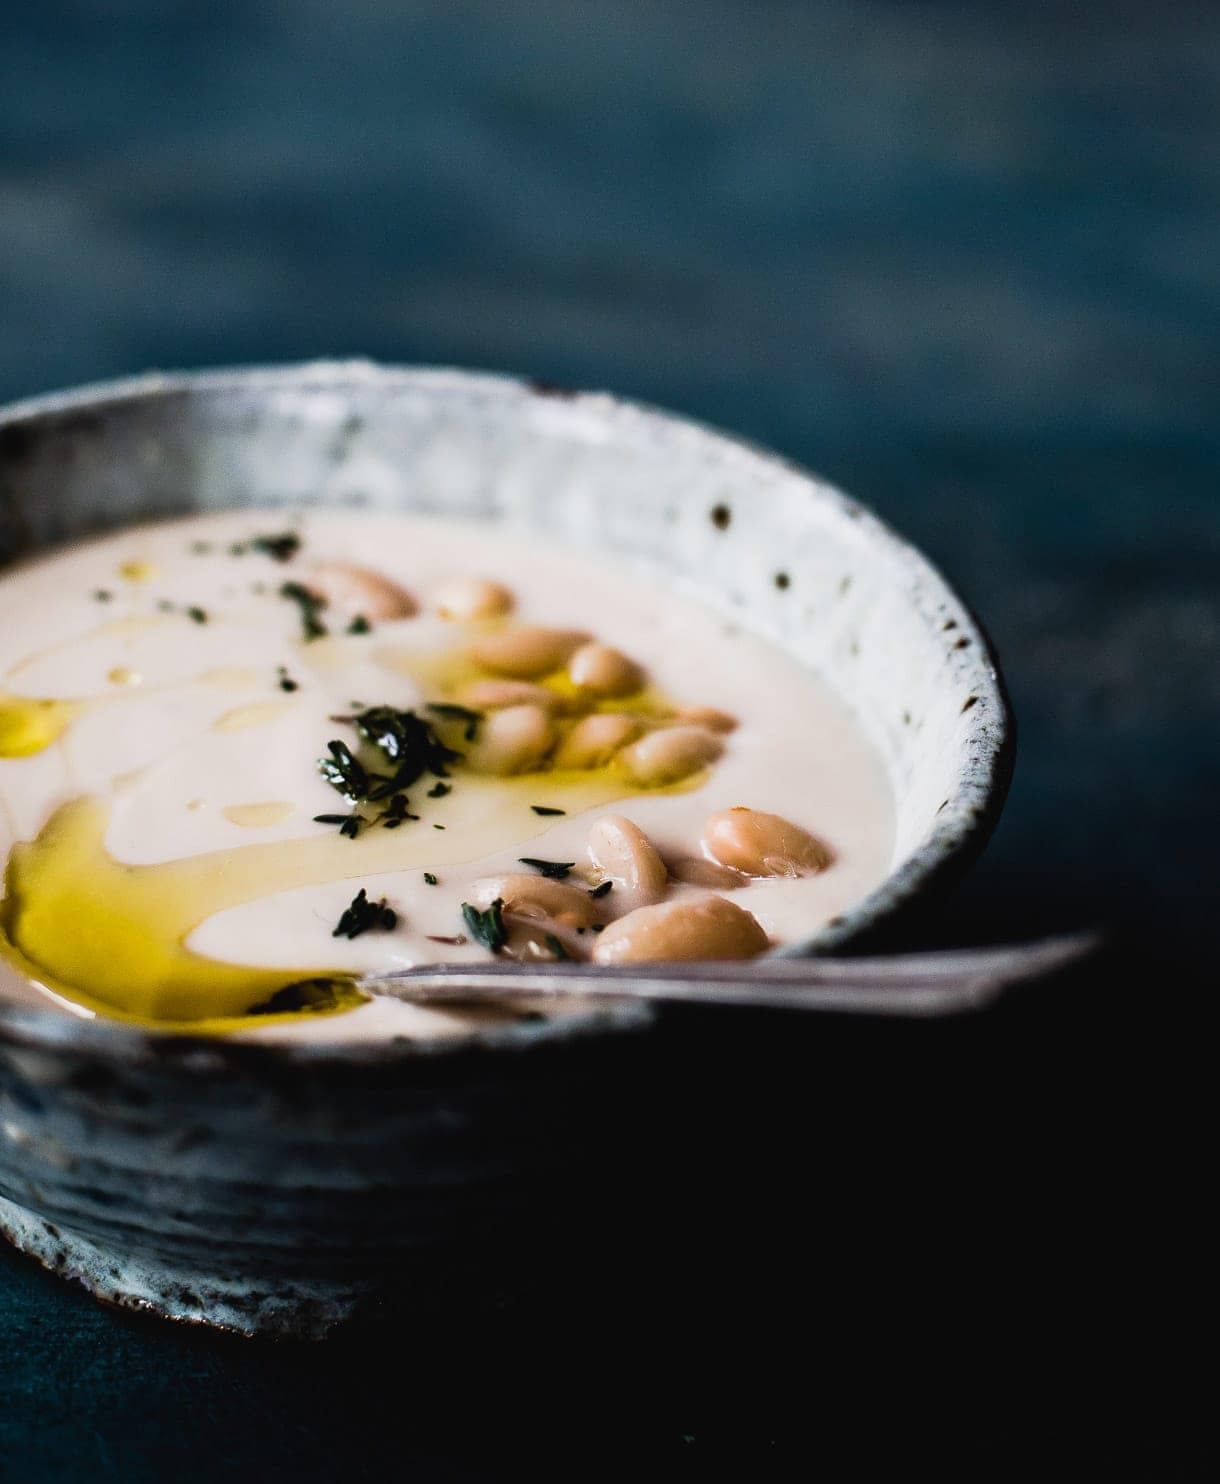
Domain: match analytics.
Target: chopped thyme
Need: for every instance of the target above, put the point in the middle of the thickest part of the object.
(395, 812)
(600, 891)
(196, 615)
(556, 947)
(546, 809)
(310, 605)
(450, 712)
(286, 681)
(349, 824)
(430, 879)
(102, 596)
(439, 790)
(407, 741)
(552, 870)
(360, 625)
(486, 927)
(305, 994)
(597, 927)
(344, 772)
(362, 915)
(438, 826)
(281, 548)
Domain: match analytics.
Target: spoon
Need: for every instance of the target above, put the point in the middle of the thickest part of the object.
(900, 984)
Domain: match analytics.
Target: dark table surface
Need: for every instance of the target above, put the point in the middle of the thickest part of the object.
(961, 259)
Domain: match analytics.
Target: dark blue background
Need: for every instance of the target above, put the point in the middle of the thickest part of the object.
(960, 259)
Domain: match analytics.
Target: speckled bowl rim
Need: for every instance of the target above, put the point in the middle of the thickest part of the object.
(963, 824)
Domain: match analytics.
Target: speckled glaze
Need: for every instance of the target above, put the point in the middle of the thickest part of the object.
(279, 1189)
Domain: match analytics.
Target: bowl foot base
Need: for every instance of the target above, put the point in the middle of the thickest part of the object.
(276, 1307)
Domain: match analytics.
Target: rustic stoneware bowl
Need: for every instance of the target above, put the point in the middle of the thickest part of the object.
(278, 1189)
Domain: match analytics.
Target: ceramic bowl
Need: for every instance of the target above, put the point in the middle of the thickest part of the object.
(276, 1189)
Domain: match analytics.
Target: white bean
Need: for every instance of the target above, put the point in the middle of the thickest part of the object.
(465, 599)
(536, 896)
(695, 871)
(595, 739)
(710, 717)
(524, 652)
(669, 755)
(762, 844)
(534, 939)
(514, 740)
(493, 695)
(623, 854)
(604, 671)
(360, 592)
(700, 928)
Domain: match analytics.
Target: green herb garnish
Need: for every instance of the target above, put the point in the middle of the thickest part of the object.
(343, 771)
(349, 824)
(360, 625)
(431, 879)
(307, 994)
(395, 813)
(102, 596)
(552, 870)
(407, 741)
(439, 790)
(361, 915)
(196, 615)
(546, 809)
(600, 891)
(486, 927)
(281, 548)
(286, 682)
(458, 713)
(310, 605)
(556, 947)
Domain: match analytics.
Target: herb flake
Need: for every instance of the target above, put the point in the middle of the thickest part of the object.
(602, 890)
(361, 916)
(310, 605)
(545, 809)
(280, 548)
(449, 712)
(552, 870)
(486, 927)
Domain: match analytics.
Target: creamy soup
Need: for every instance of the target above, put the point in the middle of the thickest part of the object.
(246, 759)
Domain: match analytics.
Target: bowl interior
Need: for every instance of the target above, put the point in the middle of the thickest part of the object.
(738, 528)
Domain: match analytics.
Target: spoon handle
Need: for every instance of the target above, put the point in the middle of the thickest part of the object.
(902, 984)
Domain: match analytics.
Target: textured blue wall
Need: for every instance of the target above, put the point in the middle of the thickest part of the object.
(961, 259)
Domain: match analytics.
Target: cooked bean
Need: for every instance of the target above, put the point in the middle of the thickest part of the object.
(514, 740)
(763, 844)
(706, 716)
(353, 591)
(536, 896)
(703, 927)
(669, 755)
(696, 871)
(595, 739)
(604, 671)
(624, 854)
(463, 599)
(493, 695)
(526, 939)
(525, 652)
